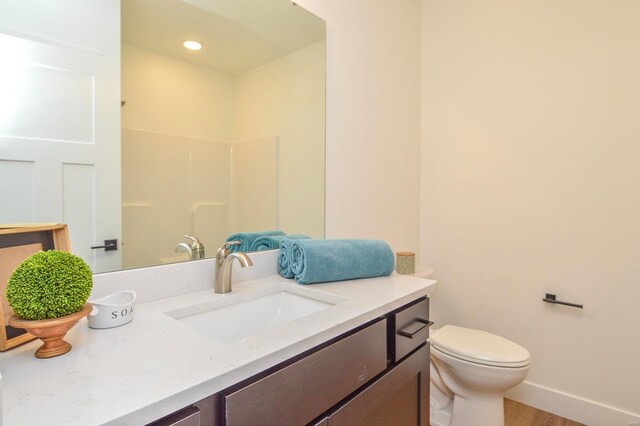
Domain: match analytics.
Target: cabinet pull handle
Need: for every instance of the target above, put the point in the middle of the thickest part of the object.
(425, 324)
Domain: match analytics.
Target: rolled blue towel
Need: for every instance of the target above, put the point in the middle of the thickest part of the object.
(284, 266)
(272, 242)
(247, 238)
(317, 261)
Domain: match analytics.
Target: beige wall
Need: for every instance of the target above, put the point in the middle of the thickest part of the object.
(177, 125)
(254, 186)
(286, 97)
(170, 96)
(373, 107)
(530, 148)
(274, 116)
(172, 186)
(373, 119)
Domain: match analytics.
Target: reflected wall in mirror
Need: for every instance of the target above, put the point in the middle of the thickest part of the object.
(225, 139)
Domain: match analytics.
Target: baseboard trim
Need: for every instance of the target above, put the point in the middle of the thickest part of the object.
(572, 407)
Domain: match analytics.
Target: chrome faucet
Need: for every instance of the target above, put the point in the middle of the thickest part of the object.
(224, 262)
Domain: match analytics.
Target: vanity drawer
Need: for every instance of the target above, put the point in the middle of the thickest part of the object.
(189, 416)
(411, 328)
(307, 388)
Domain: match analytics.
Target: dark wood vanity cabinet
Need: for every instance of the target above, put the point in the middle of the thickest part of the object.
(399, 396)
(377, 374)
(300, 392)
(190, 416)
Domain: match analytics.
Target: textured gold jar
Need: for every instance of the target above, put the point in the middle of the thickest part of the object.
(405, 262)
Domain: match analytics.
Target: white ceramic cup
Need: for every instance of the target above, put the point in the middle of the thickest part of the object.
(112, 311)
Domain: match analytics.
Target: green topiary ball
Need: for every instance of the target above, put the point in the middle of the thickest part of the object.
(49, 284)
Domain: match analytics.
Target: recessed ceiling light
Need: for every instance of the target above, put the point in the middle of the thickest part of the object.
(192, 45)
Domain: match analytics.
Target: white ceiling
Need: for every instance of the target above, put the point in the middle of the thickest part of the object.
(237, 35)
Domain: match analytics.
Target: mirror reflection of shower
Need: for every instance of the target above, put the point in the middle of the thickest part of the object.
(228, 138)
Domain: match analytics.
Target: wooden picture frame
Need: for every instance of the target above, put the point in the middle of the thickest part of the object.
(17, 242)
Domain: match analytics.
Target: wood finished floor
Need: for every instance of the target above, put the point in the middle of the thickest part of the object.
(516, 414)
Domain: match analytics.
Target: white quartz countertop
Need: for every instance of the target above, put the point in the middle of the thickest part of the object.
(155, 365)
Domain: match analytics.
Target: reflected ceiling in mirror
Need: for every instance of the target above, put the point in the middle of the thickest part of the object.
(225, 139)
(236, 35)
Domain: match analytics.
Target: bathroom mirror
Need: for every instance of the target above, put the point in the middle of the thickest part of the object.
(225, 139)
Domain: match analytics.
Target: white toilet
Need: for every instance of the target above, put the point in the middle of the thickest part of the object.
(470, 372)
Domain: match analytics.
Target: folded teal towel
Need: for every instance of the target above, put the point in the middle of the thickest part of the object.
(284, 266)
(247, 238)
(272, 242)
(317, 261)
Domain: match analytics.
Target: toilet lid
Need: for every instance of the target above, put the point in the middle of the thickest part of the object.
(480, 347)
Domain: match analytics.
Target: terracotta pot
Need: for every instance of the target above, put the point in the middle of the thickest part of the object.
(51, 331)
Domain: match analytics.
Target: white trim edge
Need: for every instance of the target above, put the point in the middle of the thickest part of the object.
(572, 407)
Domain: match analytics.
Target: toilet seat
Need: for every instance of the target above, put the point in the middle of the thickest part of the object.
(479, 347)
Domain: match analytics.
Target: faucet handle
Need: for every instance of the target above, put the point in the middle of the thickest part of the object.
(194, 240)
(223, 251)
(196, 247)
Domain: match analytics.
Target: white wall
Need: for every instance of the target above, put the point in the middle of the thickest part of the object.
(286, 97)
(530, 130)
(373, 107)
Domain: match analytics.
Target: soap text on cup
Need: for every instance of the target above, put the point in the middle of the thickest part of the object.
(122, 313)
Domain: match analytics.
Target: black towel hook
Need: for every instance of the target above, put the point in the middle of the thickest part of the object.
(551, 298)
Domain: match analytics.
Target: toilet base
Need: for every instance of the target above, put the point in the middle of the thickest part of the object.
(439, 407)
(439, 416)
(486, 409)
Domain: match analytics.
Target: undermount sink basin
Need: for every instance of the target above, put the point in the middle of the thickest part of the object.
(235, 317)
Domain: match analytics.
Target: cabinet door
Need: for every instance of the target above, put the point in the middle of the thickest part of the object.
(400, 397)
(304, 390)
